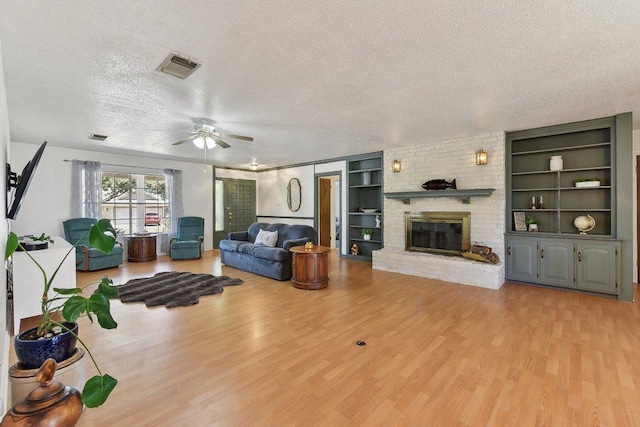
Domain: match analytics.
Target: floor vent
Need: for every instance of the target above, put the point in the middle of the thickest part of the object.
(178, 66)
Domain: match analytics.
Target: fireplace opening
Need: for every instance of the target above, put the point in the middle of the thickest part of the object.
(446, 233)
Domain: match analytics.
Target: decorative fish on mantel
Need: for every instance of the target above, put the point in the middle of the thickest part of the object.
(439, 184)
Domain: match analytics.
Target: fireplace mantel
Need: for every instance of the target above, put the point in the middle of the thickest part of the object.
(464, 195)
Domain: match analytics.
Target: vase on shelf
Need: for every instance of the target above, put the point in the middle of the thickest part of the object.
(555, 164)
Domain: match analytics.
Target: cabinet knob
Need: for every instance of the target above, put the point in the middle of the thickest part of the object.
(579, 256)
(509, 250)
(541, 253)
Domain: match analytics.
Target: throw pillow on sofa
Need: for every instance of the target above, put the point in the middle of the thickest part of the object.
(266, 238)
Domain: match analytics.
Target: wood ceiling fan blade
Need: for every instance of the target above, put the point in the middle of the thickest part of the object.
(228, 135)
(182, 141)
(220, 143)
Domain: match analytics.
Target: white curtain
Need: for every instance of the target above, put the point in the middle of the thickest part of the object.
(173, 186)
(86, 182)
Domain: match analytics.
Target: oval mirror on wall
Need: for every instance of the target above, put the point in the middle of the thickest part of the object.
(294, 194)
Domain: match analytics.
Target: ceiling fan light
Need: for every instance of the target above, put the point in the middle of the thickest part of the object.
(210, 142)
(199, 142)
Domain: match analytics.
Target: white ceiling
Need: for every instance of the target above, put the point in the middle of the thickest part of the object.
(312, 80)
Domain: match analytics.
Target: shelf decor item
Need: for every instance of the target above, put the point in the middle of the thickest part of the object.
(366, 233)
(587, 183)
(439, 184)
(555, 164)
(34, 243)
(584, 223)
(519, 221)
(366, 178)
(533, 224)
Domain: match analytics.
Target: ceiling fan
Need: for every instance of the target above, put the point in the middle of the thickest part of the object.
(205, 136)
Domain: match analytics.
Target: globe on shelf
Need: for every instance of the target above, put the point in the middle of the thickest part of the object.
(584, 223)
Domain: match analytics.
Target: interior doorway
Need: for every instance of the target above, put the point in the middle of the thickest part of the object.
(637, 219)
(328, 214)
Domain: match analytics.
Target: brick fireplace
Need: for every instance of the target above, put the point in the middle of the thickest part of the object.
(446, 160)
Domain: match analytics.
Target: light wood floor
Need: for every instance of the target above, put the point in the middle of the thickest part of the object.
(437, 353)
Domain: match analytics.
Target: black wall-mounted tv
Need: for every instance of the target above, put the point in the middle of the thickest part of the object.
(21, 183)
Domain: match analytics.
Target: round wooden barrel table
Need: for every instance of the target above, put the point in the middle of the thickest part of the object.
(141, 247)
(310, 267)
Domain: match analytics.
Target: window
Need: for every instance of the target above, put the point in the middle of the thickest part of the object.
(135, 202)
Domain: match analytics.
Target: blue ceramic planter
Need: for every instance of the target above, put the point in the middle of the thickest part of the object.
(31, 354)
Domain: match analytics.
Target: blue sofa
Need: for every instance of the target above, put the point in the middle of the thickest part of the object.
(239, 250)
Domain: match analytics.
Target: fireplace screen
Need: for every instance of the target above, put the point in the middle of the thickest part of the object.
(438, 232)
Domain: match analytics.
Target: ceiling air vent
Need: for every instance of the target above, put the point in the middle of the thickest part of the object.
(178, 66)
(97, 137)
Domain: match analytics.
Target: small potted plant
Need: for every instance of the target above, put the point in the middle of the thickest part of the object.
(53, 332)
(366, 233)
(34, 243)
(533, 223)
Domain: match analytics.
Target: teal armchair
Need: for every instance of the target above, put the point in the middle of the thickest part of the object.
(188, 244)
(87, 257)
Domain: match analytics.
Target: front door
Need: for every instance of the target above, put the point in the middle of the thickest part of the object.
(235, 207)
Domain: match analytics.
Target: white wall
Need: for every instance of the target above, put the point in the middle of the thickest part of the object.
(48, 201)
(272, 193)
(4, 332)
(236, 174)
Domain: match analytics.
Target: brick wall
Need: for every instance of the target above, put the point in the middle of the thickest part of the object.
(447, 159)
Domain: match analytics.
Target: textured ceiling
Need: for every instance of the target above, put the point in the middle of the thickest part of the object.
(311, 80)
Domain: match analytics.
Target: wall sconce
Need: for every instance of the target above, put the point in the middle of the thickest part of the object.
(253, 166)
(397, 166)
(481, 157)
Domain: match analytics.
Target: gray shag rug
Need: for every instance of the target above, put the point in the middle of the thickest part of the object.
(173, 288)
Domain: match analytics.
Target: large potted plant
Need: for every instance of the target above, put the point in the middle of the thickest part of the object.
(57, 332)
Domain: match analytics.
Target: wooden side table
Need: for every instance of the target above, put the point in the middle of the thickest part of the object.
(141, 248)
(310, 267)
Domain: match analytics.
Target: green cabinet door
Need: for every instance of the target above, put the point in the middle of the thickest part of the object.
(597, 266)
(556, 263)
(522, 259)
